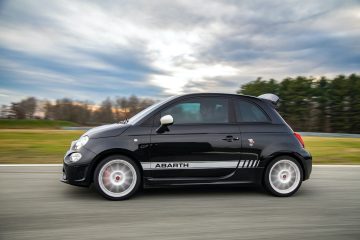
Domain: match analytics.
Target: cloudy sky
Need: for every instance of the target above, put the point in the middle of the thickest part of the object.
(88, 50)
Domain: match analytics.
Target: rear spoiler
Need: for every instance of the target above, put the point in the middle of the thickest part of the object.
(271, 98)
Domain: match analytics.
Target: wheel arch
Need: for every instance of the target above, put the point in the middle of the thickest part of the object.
(109, 152)
(279, 154)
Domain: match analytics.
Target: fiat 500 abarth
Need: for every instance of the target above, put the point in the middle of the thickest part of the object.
(192, 139)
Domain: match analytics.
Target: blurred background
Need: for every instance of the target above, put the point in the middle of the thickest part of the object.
(66, 66)
(69, 65)
(72, 65)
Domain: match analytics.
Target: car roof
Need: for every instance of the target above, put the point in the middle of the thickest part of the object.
(217, 94)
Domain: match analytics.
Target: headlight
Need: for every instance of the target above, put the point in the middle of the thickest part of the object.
(81, 142)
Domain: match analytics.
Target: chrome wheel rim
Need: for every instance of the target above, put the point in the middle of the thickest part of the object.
(117, 178)
(284, 176)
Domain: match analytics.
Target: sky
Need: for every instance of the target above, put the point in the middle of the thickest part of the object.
(88, 50)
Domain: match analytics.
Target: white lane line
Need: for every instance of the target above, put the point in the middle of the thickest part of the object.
(335, 166)
(30, 165)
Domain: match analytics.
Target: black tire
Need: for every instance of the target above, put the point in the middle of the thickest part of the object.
(117, 177)
(279, 180)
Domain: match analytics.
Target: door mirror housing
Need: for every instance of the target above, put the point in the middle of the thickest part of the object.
(165, 121)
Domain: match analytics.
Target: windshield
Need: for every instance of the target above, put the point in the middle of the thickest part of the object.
(137, 117)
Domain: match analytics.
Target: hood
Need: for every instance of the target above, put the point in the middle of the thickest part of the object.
(110, 130)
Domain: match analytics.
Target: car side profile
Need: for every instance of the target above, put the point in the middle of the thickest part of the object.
(204, 138)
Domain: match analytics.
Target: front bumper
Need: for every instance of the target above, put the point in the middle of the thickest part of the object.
(78, 173)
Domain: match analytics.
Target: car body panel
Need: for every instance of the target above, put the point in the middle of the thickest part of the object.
(204, 147)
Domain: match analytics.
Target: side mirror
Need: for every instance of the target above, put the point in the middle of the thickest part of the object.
(165, 121)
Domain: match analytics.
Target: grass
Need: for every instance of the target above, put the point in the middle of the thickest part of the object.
(41, 146)
(35, 146)
(331, 150)
(34, 124)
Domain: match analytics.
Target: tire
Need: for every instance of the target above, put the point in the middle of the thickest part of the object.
(283, 176)
(117, 177)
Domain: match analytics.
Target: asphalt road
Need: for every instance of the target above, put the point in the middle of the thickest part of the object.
(35, 205)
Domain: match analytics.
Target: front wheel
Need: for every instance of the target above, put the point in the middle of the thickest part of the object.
(283, 176)
(117, 178)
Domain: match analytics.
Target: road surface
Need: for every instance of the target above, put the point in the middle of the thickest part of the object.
(35, 205)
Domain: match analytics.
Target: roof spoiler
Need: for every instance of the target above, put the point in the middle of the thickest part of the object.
(270, 97)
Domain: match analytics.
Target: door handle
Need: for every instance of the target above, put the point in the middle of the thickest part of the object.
(230, 138)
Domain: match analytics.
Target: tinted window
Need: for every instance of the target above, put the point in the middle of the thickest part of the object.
(249, 112)
(199, 110)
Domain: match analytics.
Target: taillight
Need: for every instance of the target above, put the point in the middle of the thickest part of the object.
(299, 138)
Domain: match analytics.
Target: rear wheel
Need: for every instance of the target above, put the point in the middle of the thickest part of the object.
(117, 177)
(283, 176)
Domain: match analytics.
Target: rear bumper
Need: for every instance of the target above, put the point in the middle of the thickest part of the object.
(306, 162)
(307, 169)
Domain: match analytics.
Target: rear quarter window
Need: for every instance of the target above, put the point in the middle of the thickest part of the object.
(249, 112)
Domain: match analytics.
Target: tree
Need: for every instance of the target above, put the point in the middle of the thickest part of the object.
(133, 102)
(17, 111)
(321, 98)
(105, 113)
(338, 104)
(29, 106)
(122, 108)
(308, 104)
(353, 112)
(23, 109)
(68, 110)
(5, 111)
(295, 102)
(259, 87)
(127, 107)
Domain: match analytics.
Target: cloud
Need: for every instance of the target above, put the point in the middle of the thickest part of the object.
(90, 50)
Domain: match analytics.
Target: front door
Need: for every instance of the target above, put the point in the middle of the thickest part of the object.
(202, 143)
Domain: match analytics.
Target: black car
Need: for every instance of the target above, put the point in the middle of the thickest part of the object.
(204, 138)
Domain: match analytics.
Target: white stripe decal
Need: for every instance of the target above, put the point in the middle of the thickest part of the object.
(146, 165)
(59, 165)
(253, 163)
(189, 165)
(201, 164)
(250, 161)
(241, 164)
(246, 163)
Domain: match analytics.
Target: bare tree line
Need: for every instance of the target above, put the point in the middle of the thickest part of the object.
(82, 112)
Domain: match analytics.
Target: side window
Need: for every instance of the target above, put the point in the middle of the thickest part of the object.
(249, 112)
(199, 110)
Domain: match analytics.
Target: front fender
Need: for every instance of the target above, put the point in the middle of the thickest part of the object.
(134, 144)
